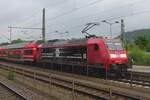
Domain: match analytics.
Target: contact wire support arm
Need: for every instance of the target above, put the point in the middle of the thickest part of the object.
(88, 27)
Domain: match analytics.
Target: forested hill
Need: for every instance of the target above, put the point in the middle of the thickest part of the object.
(132, 35)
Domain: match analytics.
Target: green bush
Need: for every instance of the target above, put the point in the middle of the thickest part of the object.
(146, 59)
(139, 57)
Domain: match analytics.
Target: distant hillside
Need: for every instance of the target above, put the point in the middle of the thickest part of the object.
(131, 36)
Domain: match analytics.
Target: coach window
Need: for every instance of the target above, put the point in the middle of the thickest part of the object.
(96, 47)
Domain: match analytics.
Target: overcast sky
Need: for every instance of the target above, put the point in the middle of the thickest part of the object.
(71, 16)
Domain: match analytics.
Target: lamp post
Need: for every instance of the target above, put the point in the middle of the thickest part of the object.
(110, 25)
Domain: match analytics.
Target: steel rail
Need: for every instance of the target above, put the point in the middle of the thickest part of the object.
(74, 85)
(13, 91)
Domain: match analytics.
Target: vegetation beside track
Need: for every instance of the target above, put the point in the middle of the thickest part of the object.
(11, 75)
(139, 57)
(139, 51)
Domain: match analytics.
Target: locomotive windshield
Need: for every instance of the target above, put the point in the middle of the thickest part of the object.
(114, 46)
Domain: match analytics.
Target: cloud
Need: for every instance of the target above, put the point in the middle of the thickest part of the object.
(64, 15)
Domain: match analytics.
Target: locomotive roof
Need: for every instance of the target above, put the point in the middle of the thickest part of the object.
(65, 42)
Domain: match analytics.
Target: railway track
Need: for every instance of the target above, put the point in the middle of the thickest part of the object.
(131, 82)
(140, 79)
(138, 76)
(7, 93)
(88, 87)
(132, 77)
(19, 90)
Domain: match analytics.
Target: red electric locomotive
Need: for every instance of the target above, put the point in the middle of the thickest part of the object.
(107, 55)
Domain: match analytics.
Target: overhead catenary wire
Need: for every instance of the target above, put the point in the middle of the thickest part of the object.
(75, 9)
(113, 18)
(117, 17)
(53, 18)
(104, 11)
(71, 11)
(5, 37)
(32, 16)
(29, 17)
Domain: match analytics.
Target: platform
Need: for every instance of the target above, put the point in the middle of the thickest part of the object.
(137, 68)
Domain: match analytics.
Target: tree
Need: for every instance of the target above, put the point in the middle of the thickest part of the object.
(5, 43)
(40, 41)
(142, 42)
(17, 41)
(148, 47)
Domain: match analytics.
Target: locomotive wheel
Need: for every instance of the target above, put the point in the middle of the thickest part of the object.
(123, 71)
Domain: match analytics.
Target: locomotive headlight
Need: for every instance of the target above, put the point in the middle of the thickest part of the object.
(123, 55)
(113, 56)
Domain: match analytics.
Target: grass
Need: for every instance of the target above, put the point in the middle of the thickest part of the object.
(11, 75)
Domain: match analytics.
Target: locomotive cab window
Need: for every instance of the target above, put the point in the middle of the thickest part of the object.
(96, 47)
(114, 46)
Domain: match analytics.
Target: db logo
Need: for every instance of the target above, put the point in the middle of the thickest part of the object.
(57, 52)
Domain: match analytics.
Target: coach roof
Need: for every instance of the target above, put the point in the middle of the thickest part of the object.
(18, 45)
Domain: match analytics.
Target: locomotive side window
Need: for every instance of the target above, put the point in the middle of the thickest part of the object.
(96, 47)
(28, 52)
